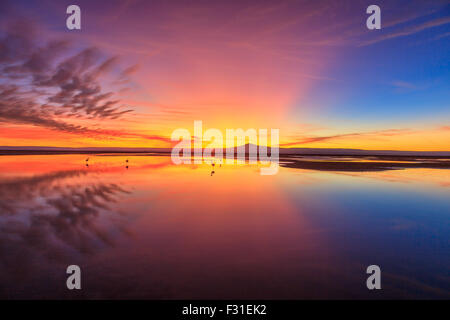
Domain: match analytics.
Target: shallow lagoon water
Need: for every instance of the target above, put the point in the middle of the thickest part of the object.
(155, 230)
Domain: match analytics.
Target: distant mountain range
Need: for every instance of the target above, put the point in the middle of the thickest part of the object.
(282, 151)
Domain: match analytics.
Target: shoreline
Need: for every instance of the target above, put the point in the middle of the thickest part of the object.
(321, 162)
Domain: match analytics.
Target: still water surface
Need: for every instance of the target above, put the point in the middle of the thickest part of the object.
(159, 231)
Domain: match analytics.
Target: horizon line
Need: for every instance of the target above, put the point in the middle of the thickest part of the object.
(285, 150)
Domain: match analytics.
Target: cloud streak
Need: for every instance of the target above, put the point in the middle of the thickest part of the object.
(409, 31)
(373, 134)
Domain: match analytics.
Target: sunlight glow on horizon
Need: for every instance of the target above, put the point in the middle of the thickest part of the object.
(303, 68)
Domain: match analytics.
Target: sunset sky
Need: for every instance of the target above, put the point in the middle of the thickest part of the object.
(138, 70)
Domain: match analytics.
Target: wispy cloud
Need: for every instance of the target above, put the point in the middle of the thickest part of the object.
(371, 134)
(47, 85)
(404, 85)
(408, 86)
(410, 30)
(444, 35)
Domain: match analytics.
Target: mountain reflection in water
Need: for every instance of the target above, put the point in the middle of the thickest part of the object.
(141, 227)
